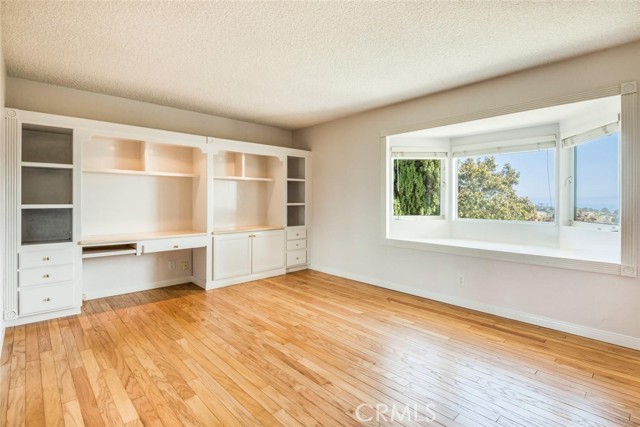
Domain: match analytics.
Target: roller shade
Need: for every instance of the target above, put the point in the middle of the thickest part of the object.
(416, 153)
(581, 138)
(509, 146)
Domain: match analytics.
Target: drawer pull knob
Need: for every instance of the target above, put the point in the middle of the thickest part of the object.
(46, 300)
(176, 246)
(45, 258)
(45, 276)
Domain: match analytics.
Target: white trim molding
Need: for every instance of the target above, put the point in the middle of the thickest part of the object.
(629, 164)
(521, 316)
(12, 137)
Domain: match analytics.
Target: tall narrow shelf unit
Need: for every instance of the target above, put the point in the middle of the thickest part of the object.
(96, 209)
(40, 164)
(297, 211)
(261, 210)
(249, 211)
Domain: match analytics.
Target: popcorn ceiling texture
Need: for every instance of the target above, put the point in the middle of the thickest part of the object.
(296, 64)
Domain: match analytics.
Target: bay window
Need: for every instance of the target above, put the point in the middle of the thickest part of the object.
(542, 186)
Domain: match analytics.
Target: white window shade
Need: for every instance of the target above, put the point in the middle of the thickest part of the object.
(416, 153)
(581, 138)
(510, 146)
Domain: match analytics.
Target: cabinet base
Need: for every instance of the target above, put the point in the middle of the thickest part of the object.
(241, 279)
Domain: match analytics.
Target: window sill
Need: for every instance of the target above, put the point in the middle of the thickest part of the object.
(593, 261)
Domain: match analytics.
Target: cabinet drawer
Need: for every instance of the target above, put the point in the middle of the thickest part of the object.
(296, 257)
(163, 245)
(296, 234)
(44, 258)
(46, 298)
(296, 244)
(43, 275)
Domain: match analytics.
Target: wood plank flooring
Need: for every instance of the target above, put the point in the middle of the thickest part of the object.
(307, 349)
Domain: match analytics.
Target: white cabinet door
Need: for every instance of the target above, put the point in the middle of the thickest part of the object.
(231, 255)
(268, 251)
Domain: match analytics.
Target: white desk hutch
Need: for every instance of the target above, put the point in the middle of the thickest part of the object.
(95, 209)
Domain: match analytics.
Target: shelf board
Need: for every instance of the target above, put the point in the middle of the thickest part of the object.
(141, 173)
(296, 179)
(134, 237)
(32, 206)
(243, 178)
(46, 165)
(246, 229)
(296, 204)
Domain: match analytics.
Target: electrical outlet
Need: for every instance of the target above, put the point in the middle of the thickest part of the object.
(460, 279)
(172, 264)
(185, 265)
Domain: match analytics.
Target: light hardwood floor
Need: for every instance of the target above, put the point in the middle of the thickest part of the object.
(307, 349)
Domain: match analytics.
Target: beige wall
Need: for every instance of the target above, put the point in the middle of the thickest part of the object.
(34, 96)
(347, 217)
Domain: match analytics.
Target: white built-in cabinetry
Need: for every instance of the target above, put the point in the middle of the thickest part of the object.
(41, 265)
(96, 209)
(298, 191)
(245, 254)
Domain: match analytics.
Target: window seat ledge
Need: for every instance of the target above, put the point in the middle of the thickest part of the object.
(595, 261)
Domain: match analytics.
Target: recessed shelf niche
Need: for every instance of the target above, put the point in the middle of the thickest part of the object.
(47, 186)
(230, 165)
(248, 191)
(41, 144)
(133, 157)
(46, 226)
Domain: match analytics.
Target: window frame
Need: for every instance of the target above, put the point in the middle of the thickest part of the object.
(570, 151)
(496, 149)
(412, 155)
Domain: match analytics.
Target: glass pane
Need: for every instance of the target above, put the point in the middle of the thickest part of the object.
(509, 187)
(597, 181)
(416, 187)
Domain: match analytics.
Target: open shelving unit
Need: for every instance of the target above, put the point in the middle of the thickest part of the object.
(296, 191)
(233, 166)
(46, 185)
(248, 192)
(133, 157)
(135, 186)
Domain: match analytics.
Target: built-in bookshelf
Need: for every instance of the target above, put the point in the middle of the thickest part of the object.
(296, 191)
(140, 186)
(46, 185)
(248, 191)
(107, 155)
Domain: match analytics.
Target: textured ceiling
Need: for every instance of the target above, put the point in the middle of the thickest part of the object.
(294, 63)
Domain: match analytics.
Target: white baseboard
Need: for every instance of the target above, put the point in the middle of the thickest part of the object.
(571, 328)
(42, 317)
(137, 288)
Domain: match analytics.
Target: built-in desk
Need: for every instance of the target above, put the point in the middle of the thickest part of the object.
(141, 243)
